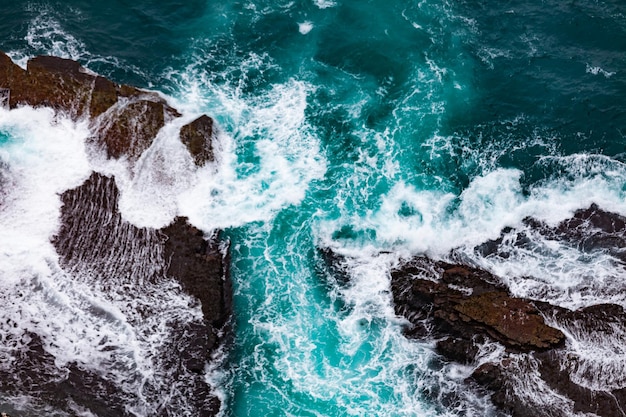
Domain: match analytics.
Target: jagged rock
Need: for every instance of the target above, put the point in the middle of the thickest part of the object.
(201, 268)
(95, 241)
(95, 244)
(458, 350)
(35, 372)
(125, 119)
(468, 302)
(463, 308)
(197, 136)
(128, 128)
(589, 230)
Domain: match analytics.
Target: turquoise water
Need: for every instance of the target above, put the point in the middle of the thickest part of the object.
(371, 127)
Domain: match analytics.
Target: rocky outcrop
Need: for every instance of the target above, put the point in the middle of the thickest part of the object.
(201, 267)
(589, 230)
(541, 372)
(129, 127)
(464, 307)
(64, 85)
(124, 120)
(197, 136)
(97, 247)
(97, 244)
(533, 358)
(466, 303)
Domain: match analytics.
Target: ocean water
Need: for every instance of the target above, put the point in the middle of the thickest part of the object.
(380, 129)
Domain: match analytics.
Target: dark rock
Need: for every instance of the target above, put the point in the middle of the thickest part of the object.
(557, 377)
(495, 377)
(515, 322)
(457, 350)
(201, 268)
(589, 230)
(95, 241)
(197, 136)
(36, 373)
(469, 302)
(129, 127)
(103, 96)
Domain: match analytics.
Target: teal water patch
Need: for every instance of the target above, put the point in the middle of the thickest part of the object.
(547, 80)
(306, 344)
(303, 349)
(4, 138)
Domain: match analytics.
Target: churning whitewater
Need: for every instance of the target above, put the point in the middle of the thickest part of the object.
(350, 137)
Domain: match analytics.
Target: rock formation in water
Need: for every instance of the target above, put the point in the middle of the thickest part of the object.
(464, 308)
(468, 311)
(124, 120)
(95, 241)
(98, 246)
(197, 137)
(467, 302)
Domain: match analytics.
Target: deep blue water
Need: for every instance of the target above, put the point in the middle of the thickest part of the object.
(403, 126)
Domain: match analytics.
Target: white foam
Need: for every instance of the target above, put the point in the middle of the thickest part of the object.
(46, 155)
(46, 35)
(355, 360)
(288, 160)
(324, 4)
(305, 27)
(595, 70)
(112, 325)
(413, 221)
(150, 191)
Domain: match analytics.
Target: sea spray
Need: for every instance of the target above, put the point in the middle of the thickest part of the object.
(414, 128)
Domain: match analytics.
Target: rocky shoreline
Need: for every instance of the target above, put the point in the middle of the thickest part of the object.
(462, 307)
(95, 241)
(519, 351)
(466, 308)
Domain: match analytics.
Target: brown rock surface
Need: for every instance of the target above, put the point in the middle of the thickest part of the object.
(197, 136)
(468, 302)
(125, 120)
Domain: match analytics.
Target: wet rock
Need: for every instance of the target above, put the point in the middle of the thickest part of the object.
(125, 120)
(57, 387)
(589, 230)
(129, 127)
(94, 242)
(457, 350)
(200, 265)
(197, 136)
(467, 302)
(557, 375)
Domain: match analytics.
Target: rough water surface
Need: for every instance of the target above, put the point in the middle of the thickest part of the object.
(471, 132)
